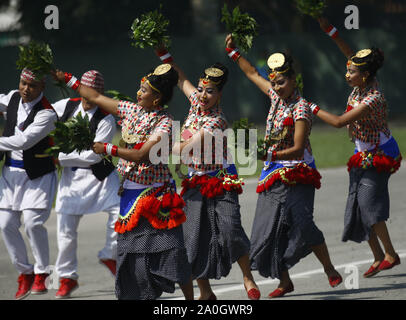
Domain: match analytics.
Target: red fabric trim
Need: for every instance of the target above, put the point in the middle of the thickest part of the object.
(164, 212)
(45, 103)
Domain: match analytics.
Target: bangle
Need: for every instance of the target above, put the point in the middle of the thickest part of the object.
(233, 53)
(164, 55)
(315, 108)
(110, 149)
(332, 31)
(71, 81)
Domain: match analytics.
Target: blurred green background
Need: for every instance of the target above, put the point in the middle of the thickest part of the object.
(95, 35)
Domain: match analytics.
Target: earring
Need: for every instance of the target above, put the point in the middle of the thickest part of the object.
(364, 79)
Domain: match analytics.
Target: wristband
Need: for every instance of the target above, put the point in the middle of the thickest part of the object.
(110, 149)
(164, 55)
(233, 53)
(332, 31)
(71, 81)
(315, 108)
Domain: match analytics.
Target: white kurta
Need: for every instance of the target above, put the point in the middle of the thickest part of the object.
(17, 191)
(79, 191)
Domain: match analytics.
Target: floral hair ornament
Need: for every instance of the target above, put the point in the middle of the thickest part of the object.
(276, 60)
(360, 54)
(214, 73)
(160, 70)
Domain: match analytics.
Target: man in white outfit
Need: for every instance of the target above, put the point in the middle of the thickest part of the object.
(28, 180)
(88, 185)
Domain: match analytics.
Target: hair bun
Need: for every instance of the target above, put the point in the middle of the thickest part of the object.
(378, 57)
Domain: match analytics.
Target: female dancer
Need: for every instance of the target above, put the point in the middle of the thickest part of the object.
(151, 256)
(214, 236)
(284, 230)
(376, 154)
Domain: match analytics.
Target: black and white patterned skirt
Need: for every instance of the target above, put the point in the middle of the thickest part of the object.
(367, 203)
(283, 231)
(214, 237)
(150, 262)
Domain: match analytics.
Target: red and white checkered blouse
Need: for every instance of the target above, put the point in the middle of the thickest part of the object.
(367, 129)
(208, 120)
(137, 126)
(280, 123)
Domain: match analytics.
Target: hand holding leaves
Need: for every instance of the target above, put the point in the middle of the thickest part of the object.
(150, 30)
(71, 135)
(313, 8)
(242, 27)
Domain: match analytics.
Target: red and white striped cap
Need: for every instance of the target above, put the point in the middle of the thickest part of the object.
(27, 74)
(93, 79)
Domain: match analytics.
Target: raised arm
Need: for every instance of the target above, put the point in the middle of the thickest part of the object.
(340, 121)
(183, 83)
(107, 104)
(333, 33)
(249, 70)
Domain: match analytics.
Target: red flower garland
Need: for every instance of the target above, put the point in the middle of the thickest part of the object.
(288, 122)
(380, 161)
(211, 187)
(301, 173)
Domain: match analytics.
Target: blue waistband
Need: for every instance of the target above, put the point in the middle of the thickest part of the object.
(272, 166)
(231, 169)
(14, 163)
(75, 168)
(390, 148)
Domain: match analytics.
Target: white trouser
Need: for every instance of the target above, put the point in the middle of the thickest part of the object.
(34, 219)
(66, 262)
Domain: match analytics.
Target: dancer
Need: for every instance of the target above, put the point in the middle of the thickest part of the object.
(28, 180)
(284, 231)
(376, 154)
(151, 256)
(88, 184)
(214, 236)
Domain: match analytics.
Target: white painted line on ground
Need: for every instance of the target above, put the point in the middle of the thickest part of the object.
(401, 253)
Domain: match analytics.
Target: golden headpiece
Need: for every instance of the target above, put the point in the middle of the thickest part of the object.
(360, 54)
(160, 70)
(276, 60)
(212, 72)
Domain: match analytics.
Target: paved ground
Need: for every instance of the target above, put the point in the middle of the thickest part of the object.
(351, 259)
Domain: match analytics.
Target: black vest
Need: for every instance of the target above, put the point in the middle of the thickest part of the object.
(103, 168)
(36, 162)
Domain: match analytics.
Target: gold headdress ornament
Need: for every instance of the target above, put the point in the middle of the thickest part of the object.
(276, 60)
(212, 72)
(360, 54)
(160, 70)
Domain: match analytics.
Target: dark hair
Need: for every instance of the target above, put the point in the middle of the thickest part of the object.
(222, 79)
(164, 83)
(288, 65)
(373, 62)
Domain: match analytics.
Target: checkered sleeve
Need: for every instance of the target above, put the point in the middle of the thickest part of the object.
(194, 100)
(213, 123)
(302, 111)
(272, 94)
(164, 125)
(125, 108)
(374, 100)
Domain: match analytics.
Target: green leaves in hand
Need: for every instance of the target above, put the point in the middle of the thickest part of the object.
(242, 27)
